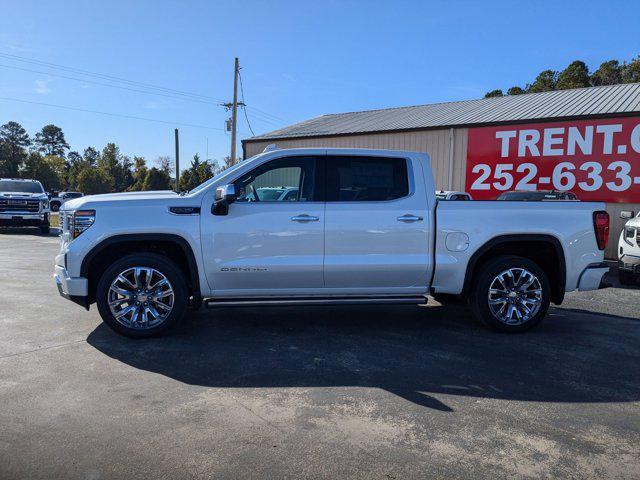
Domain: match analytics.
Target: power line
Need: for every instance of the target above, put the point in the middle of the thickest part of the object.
(244, 106)
(244, 109)
(110, 114)
(259, 114)
(262, 118)
(106, 76)
(107, 84)
(263, 115)
(269, 115)
(113, 78)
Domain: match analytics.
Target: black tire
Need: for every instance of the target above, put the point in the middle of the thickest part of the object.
(45, 229)
(151, 260)
(628, 278)
(479, 297)
(55, 206)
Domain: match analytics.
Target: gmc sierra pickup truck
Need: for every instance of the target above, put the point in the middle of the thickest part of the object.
(629, 250)
(363, 226)
(23, 203)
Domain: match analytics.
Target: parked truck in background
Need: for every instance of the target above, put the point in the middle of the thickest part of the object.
(58, 199)
(23, 203)
(629, 250)
(364, 227)
(453, 195)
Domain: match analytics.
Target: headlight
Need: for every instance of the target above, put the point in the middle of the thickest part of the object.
(45, 203)
(80, 221)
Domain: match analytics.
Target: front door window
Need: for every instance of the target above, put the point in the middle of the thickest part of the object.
(284, 180)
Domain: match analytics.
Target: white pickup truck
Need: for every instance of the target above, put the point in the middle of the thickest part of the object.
(363, 227)
(629, 250)
(23, 203)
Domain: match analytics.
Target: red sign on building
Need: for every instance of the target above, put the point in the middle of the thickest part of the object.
(597, 160)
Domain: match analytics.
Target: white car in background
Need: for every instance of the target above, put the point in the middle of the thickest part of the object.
(452, 195)
(58, 200)
(629, 250)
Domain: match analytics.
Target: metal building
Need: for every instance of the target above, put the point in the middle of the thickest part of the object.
(585, 140)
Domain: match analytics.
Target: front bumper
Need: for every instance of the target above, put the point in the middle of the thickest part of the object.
(19, 218)
(630, 263)
(591, 277)
(74, 289)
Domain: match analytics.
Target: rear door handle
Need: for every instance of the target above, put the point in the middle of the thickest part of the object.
(409, 218)
(304, 218)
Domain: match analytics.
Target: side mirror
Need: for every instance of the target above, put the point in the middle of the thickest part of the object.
(225, 196)
(626, 214)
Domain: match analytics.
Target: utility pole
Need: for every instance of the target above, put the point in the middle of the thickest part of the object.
(177, 162)
(234, 111)
(232, 124)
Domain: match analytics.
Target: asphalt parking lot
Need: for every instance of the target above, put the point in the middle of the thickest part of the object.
(351, 392)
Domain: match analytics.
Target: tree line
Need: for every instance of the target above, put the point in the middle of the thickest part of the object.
(46, 157)
(577, 75)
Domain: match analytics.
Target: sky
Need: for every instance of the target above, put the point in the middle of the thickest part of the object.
(299, 60)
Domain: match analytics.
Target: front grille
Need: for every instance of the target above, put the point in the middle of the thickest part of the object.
(18, 205)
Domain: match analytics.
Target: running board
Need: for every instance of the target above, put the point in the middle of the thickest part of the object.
(289, 301)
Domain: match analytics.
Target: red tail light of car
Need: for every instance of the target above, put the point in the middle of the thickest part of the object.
(601, 228)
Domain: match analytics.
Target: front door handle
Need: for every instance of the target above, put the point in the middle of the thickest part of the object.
(409, 218)
(304, 218)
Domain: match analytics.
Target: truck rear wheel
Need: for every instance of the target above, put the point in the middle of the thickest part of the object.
(511, 294)
(142, 295)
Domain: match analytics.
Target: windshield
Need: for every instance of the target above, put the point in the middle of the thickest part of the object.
(441, 196)
(16, 186)
(217, 177)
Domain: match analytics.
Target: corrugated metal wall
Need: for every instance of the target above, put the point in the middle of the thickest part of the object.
(281, 177)
(437, 144)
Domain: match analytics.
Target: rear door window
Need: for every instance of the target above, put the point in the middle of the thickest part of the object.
(365, 179)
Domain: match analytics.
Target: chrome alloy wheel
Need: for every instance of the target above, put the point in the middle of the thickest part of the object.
(140, 298)
(515, 296)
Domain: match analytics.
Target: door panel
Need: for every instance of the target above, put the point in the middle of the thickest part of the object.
(272, 240)
(261, 246)
(380, 242)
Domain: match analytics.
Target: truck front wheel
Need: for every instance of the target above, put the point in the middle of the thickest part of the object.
(511, 294)
(142, 295)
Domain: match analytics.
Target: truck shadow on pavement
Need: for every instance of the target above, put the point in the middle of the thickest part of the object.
(409, 351)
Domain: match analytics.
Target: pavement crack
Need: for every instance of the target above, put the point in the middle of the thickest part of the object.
(271, 424)
(42, 348)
